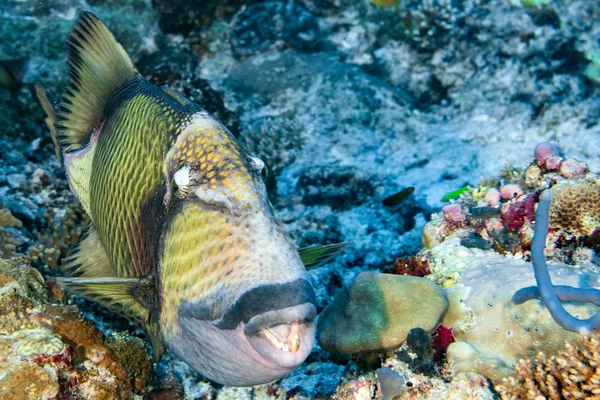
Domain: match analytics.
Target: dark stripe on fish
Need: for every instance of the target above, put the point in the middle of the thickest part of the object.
(256, 301)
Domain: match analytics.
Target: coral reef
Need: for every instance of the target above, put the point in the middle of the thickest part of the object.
(8, 244)
(575, 207)
(492, 333)
(571, 374)
(48, 350)
(499, 214)
(408, 384)
(552, 295)
(433, 95)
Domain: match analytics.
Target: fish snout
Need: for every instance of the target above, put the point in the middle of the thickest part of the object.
(266, 333)
(277, 321)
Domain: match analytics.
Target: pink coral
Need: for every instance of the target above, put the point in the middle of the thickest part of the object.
(453, 213)
(510, 191)
(544, 151)
(442, 338)
(553, 163)
(571, 168)
(492, 197)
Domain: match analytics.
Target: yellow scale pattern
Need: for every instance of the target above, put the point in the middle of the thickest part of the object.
(127, 168)
(215, 157)
(201, 252)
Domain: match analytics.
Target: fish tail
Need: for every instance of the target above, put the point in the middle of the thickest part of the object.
(98, 66)
(50, 120)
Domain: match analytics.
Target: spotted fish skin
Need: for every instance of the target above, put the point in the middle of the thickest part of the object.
(226, 235)
(184, 241)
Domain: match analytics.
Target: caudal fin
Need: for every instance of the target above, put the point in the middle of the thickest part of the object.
(98, 66)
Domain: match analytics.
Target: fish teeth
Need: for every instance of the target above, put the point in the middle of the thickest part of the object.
(292, 344)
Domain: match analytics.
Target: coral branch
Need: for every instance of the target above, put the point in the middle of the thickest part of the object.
(552, 295)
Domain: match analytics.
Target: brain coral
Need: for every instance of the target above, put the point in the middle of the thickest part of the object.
(492, 333)
(575, 206)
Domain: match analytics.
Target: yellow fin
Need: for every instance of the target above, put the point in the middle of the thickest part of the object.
(315, 256)
(88, 259)
(79, 170)
(124, 296)
(50, 120)
(98, 66)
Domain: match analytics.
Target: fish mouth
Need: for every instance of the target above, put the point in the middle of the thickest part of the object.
(284, 337)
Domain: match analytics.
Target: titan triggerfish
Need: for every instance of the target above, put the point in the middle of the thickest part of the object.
(183, 240)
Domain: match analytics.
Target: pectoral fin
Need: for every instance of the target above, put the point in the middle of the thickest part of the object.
(88, 259)
(314, 256)
(129, 297)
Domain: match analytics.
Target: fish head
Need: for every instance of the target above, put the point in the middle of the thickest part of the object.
(236, 301)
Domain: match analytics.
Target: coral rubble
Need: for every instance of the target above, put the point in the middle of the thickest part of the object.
(571, 374)
(48, 350)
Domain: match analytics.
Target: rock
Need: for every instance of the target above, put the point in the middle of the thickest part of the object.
(338, 187)
(314, 380)
(376, 311)
(274, 25)
(37, 30)
(183, 16)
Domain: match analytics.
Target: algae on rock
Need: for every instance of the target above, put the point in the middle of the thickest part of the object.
(376, 311)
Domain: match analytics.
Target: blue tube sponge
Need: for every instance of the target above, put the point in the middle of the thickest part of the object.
(553, 295)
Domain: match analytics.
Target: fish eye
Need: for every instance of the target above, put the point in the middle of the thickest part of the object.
(181, 179)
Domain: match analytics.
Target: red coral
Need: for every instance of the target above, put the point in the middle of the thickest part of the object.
(442, 338)
(412, 266)
(516, 214)
(64, 358)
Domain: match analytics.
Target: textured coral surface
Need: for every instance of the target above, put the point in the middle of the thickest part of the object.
(48, 350)
(574, 373)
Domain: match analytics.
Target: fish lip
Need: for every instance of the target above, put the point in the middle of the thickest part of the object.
(263, 334)
(305, 312)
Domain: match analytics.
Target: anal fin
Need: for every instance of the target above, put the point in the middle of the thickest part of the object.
(124, 296)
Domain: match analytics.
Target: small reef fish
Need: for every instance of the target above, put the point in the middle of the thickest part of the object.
(183, 240)
(385, 3)
(398, 198)
(11, 72)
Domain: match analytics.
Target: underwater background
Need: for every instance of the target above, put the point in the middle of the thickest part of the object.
(348, 102)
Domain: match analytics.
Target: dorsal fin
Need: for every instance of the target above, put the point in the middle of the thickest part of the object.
(98, 66)
(124, 296)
